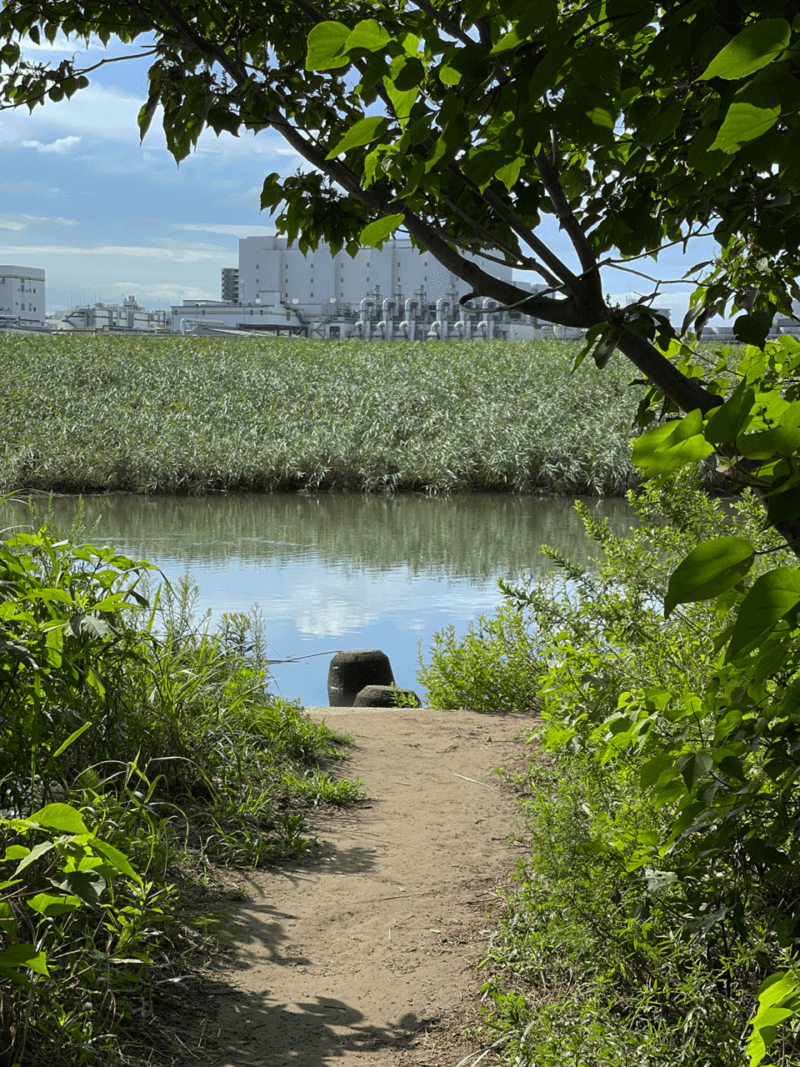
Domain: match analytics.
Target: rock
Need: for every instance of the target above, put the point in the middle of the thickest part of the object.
(349, 672)
(386, 696)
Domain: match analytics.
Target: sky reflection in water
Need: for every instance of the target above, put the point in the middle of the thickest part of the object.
(342, 572)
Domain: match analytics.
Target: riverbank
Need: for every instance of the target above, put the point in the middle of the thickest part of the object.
(184, 415)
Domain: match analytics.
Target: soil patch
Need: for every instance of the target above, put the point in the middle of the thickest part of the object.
(366, 954)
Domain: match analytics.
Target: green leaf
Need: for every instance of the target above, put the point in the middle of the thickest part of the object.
(87, 626)
(72, 737)
(61, 817)
(39, 850)
(380, 229)
(87, 885)
(771, 597)
(671, 446)
(753, 48)
(754, 110)
(363, 132)
(326, 42)
(369, 35)
(777, 1001)
(53, 904)
(752, 329)
(25, 956)
(116, 858)
(725, 423)
(711, 568)
(694, 766)
(510, 172)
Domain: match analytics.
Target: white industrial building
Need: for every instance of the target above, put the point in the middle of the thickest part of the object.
(267, 265)
(22, 302)
(127, 317)
(394, 293)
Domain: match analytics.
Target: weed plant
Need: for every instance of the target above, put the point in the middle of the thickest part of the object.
(639, 930)
(133, 739)
(179, 415)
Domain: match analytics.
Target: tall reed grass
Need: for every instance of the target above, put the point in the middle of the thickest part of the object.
(180, 415)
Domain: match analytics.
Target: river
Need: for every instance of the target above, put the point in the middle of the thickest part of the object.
(334, 572)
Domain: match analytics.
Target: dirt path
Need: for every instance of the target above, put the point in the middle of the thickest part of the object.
(354, 958)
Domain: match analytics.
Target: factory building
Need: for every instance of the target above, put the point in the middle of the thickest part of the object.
(127, 317)
(22, 302)
(266, 264)
(230, 285)
(394, 293)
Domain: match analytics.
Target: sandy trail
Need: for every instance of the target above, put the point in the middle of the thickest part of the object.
(352, 958)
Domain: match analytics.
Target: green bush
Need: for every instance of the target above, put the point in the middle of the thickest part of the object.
(140, 740)
(492, 668)
(661, 896)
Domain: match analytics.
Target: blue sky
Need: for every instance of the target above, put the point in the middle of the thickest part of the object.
(106, 218)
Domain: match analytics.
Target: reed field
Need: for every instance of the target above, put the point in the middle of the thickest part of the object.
(188, 415)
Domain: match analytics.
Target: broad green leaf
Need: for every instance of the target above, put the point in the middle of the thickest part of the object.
(710, 569)
(694, 766)
(725, 423)
(753, 48)
(61, 817)
(400, 93)
(507, 42)
(88, 885)
(754, 110)
(671, 446)
(87, 626)
(777, 1001)
(25, 956)
(363, 132)
(326, 43)
(370, 35)
(15, 852)
(53, 903)
(752, 329)
(771, 597)
(449, 76)
(510, 172)
(380, 229)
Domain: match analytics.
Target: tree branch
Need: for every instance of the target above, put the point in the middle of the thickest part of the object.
(570, 224)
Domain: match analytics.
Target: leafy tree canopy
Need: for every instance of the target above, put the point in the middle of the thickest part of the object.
(637, 125)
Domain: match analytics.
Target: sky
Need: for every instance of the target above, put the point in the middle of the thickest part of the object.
(107, 218)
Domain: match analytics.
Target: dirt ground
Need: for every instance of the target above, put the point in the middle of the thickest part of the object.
(366, 955)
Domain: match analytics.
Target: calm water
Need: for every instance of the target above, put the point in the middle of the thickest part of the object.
(341, 572)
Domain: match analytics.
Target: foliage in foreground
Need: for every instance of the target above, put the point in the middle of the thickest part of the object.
(660, 904)
(132, 742)
(175, 415)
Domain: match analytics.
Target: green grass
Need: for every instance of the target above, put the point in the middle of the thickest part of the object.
(179, 415)
(632, 936)
(141, 753)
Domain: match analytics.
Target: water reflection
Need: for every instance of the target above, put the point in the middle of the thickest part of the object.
(341, 571)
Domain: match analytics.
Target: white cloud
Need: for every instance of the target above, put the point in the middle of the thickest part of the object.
(174, 255)
(233, 229)
(165, 291)
(56, 148)
(28, 188)
(21, 222)
(251, 199)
